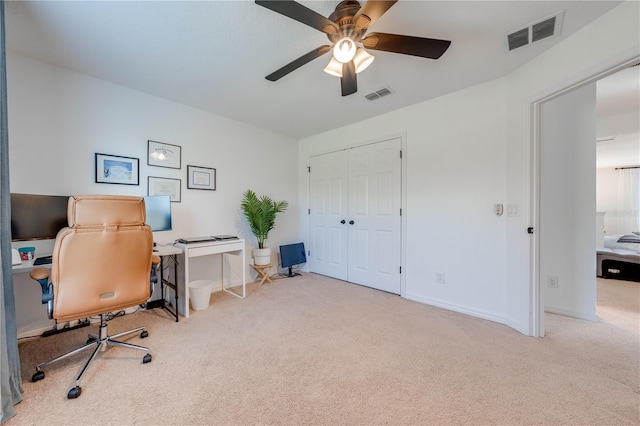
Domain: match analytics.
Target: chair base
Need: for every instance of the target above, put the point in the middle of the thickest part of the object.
(99, 343)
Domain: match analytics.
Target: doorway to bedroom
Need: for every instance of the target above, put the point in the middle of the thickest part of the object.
(569, 193)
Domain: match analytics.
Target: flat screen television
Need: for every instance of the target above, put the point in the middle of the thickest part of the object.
(37, 217)
(291, 255)
(158, 212)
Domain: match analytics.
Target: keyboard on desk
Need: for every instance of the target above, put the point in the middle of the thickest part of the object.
(192, 240)
(45, 260)
(206, 239)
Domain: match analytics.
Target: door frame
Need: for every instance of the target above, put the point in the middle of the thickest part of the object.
(403, 193)
(536, 296)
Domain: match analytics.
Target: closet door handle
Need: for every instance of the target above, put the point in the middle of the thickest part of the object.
(351, 222)
(343, 221)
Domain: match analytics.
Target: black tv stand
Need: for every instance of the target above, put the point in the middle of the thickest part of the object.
(291, 274)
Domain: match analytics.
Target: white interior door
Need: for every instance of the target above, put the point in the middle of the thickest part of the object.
(327, 209)
(374, 215)
(356, 215)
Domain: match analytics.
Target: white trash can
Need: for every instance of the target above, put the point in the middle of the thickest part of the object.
(199, 294)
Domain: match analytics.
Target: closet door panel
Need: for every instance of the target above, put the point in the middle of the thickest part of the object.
(327, 208)
(374, 207)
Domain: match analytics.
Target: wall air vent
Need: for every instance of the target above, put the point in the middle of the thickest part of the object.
(378, 94)
(536, 31)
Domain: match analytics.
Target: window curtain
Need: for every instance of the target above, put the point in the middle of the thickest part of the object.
(629, 200)
(10, 381)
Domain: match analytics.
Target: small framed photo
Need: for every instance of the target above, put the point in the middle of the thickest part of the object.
(117, 169)
(164, 186)
(201, 178)
(164, 155)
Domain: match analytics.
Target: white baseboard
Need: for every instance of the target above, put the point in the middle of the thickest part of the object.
(570, 313)
(460, 309)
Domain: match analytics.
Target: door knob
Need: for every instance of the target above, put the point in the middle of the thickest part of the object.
(343, 221)
(351, 222)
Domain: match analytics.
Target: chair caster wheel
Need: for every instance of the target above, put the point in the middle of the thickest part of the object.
(144, 334)
(74, 392)
(146, 358)
(38, 375)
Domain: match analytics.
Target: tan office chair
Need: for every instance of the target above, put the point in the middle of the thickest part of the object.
(101, 263)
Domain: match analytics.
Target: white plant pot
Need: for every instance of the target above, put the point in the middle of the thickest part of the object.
(262, 256)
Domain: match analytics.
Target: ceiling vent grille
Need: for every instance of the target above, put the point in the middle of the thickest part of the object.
(536, 31)
(518, 39)
(543, 29)
(378, 94)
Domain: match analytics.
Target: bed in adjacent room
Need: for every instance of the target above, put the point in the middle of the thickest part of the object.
(620, 257)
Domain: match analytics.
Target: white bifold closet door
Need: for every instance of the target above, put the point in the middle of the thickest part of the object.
(355, 215)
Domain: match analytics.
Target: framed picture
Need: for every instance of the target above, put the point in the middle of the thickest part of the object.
(201, 178)
(163, 155)
(164, 186)
(117, 169)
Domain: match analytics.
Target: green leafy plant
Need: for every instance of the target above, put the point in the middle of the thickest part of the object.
(261, 214)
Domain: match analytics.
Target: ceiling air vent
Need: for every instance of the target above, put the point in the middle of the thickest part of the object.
(378, 94)
(518, 39)
(536, 31)
(543, 29)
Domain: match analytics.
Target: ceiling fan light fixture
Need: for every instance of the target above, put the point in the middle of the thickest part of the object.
(334, 68)
(344, 50)
(362, 59)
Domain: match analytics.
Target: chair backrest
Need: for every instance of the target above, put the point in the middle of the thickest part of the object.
(102, 261)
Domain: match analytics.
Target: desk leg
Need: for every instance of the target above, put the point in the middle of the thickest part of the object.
(161, 303)
(183, 308)
(243, 267)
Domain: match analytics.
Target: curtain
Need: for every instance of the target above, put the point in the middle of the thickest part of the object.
(628, 200)
(10, 381)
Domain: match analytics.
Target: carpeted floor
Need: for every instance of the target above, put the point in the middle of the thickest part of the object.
(313, 350)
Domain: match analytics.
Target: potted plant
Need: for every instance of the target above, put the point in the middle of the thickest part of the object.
(261, 214)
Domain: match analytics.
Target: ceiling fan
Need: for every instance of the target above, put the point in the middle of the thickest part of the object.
(346, 28)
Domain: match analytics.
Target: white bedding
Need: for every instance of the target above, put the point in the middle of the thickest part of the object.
(611, 241)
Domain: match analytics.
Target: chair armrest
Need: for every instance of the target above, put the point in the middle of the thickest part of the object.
(42, 276)
(39, 274)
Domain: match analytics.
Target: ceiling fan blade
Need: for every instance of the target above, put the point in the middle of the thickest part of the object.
(372, 10)
(300, 13)
(407, 45)
(294, 65)
(348, 81)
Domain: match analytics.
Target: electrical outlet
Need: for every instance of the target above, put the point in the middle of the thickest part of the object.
(440, 278)
(552, 281)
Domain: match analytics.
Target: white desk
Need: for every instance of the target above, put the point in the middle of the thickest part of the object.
(226, 247)
(27, 265)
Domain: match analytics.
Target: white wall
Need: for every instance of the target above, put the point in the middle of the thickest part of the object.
(607, 198)
(455, 174)
(59, 119)
(469, 150)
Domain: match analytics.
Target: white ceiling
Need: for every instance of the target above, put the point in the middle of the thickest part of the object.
(213, 55)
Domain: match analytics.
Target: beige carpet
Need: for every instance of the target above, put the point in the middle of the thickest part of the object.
(314, 350)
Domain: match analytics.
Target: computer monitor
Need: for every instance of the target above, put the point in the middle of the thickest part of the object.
(37, 217)
(158, 212)
(291, 255)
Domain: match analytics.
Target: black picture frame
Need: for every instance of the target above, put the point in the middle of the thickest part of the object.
(203, 178)
(160, 154)
(117, 169)
(165, 186)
